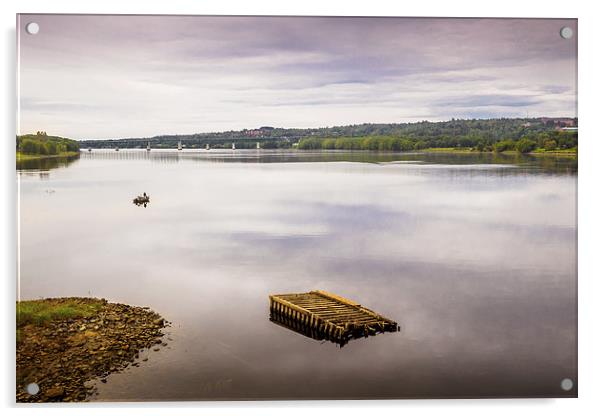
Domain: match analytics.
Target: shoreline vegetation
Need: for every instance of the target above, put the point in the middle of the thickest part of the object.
(524, 135)
(546, 142)
(23, 157)
(41, 146)
(66, 345)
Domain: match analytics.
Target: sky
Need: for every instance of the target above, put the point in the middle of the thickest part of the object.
(93, 76)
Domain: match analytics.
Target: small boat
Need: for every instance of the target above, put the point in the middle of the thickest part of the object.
(233, 146)
(142, 199)
(180, 145)
(148, 148)
(207, 146)
(116, 149)
(257, 145)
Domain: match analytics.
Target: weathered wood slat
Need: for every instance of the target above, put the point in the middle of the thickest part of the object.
(315, 302)
(334, 297)
(318, 307)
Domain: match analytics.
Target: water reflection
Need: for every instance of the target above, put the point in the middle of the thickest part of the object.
(521, 163)
(311, 332)
(46, 163)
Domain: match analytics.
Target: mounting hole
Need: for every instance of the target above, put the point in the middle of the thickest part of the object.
(566, 32)
(566, 384)
(32, 28)
(32, 388)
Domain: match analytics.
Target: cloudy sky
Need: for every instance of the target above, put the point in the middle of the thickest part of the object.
(92, 77)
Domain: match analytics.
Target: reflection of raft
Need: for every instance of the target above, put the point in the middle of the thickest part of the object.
(322, 315)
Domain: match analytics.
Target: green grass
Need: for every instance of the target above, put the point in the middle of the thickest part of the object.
(21, 157)
(572, 151)
(38, 312)
(449, 150)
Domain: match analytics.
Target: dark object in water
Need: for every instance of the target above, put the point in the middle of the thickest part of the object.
(321, 315)
(142, 200)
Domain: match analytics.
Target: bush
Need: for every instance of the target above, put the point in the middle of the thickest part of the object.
(525, 145)
(550, 144)
(504, 145)
(29, 146)
(52, 148)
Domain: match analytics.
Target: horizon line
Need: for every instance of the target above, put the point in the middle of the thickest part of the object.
(321, 127)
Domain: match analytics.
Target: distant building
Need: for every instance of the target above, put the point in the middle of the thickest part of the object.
(253, 133)
(559, 122)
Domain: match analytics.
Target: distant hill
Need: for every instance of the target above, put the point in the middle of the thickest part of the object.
(452, 133)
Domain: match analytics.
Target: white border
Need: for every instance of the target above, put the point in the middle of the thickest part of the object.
(590, 207)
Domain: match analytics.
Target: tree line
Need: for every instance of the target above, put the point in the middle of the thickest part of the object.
(481, 133)
(42, 144)
(530, 141)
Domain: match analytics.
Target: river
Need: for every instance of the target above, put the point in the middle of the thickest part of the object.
(473, 255)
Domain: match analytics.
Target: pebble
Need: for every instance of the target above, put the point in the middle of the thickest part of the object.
(55, 392)
(72, 343)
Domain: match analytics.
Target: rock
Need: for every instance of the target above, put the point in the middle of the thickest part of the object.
(55, 392)
(73, 355)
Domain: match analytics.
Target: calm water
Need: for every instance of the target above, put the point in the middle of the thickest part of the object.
(474, 256)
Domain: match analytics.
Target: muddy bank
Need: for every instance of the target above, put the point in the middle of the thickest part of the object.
(65, 345)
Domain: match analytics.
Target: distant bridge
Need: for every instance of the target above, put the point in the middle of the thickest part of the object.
(171, 142)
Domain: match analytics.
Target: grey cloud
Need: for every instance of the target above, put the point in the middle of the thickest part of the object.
(491, 100)
(208, 73)
(555, 89)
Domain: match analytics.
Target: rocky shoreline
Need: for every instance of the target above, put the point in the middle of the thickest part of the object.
(65, 356)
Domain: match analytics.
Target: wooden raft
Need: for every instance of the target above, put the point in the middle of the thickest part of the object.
(322, 315)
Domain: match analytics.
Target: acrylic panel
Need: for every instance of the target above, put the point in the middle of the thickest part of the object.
(269, 208)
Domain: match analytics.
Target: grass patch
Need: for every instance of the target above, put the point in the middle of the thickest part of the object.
(21, 157)
(449, 150)
(572, 151)
(37, 312)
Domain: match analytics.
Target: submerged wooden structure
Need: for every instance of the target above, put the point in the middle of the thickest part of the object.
(321, 315)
